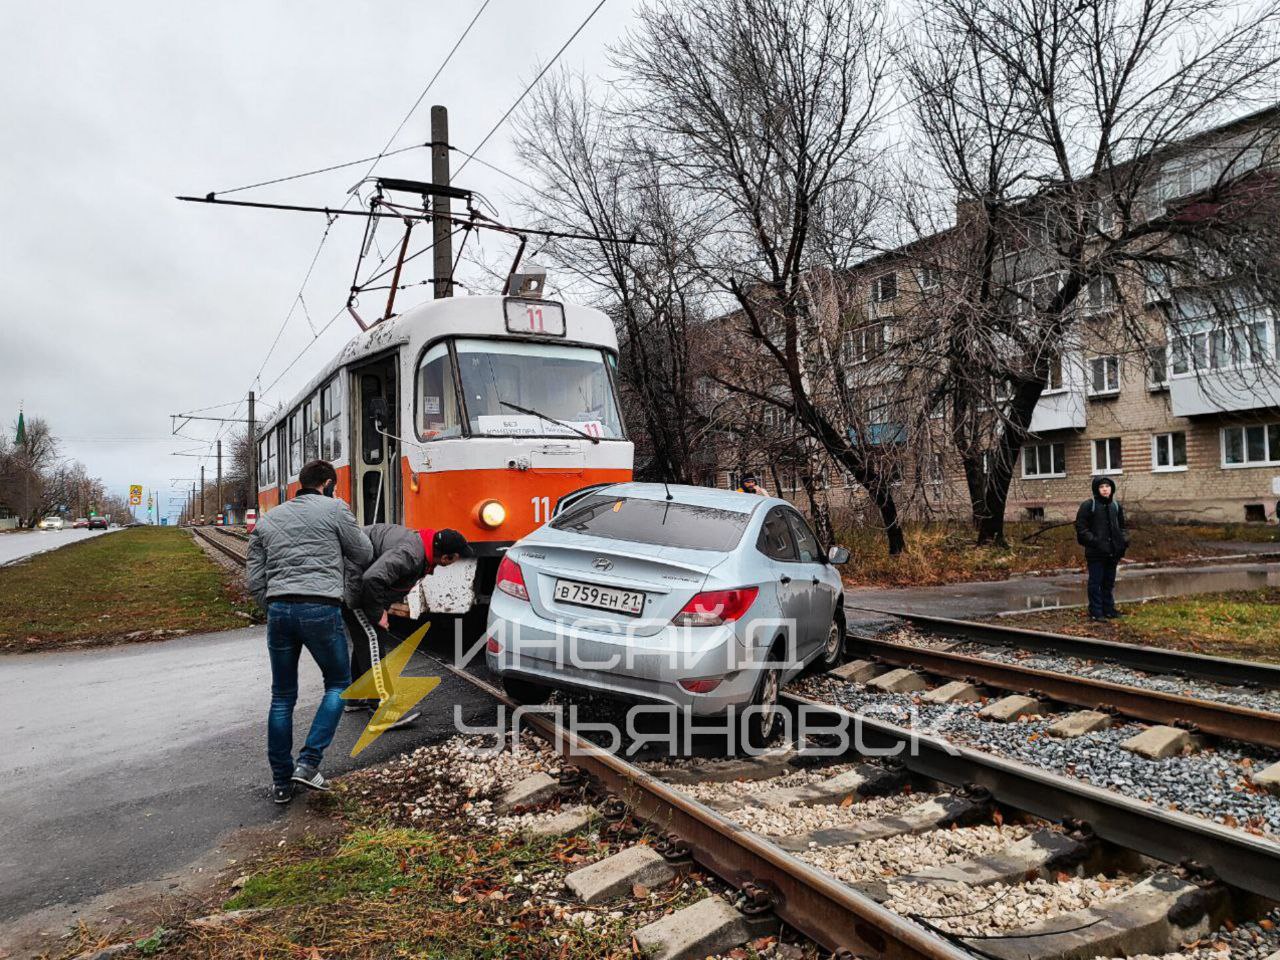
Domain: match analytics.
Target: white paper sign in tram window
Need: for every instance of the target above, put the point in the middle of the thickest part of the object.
(535, 317)
(430, 404)
(522, 425)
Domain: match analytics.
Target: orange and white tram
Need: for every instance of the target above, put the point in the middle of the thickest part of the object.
(476, 413)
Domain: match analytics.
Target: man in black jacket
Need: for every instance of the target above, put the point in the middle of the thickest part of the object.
(1101, 531)
(401, 557)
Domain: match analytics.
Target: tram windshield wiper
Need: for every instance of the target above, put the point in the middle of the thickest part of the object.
(542, 416)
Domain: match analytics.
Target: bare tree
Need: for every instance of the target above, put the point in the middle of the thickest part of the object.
(595, 178)
(759, 112)
(1068, 131)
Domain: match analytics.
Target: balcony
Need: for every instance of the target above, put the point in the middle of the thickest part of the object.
(1224, 391)
(1060, 410)
(879, 434)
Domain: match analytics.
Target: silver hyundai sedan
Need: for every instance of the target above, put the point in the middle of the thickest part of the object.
(699, 598)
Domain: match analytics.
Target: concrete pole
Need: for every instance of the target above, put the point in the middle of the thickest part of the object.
(251, 497)
(202, 511)
(442, 249)
(217, 507)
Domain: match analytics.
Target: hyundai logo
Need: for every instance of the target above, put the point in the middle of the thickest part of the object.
(602, 563)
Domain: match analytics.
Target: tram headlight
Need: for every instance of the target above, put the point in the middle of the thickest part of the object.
(492, 514)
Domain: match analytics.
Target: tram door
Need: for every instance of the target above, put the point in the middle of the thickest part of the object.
(376, 455)
(282, 461)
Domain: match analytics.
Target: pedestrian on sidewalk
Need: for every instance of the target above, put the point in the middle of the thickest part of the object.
(401, 557)
(751, 484)
(296, 566)
(1100, 529)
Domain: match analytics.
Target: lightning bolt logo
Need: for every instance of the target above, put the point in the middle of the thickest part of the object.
(403, 693)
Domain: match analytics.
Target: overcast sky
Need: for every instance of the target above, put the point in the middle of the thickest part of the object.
(122, 305)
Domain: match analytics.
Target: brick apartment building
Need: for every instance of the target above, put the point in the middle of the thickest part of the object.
(1188, 422)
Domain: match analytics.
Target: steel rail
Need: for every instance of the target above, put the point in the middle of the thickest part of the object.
(1209, 716)
(1151, 659)
(829, 912)
(223, 546)
(1240, 859)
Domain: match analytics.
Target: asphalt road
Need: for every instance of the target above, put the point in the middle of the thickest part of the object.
(25, 543)
(119, 765)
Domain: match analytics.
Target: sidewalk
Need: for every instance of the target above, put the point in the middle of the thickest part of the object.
(982, 600)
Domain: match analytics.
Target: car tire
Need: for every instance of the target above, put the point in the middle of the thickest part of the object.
(759, 726)
(832, 646)
(525, 691)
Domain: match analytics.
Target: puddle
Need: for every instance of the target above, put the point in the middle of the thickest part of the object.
(1145, 586)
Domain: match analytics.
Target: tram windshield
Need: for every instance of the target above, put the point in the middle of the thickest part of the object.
(561, 391)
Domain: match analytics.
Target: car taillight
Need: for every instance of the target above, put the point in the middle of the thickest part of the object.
(702, 685)
(714, 607)
(511, 579)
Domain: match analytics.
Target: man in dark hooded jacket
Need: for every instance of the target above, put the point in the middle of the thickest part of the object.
(1101, 531)
(401, 557)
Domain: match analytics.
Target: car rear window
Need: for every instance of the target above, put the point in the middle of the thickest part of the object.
(657, 522)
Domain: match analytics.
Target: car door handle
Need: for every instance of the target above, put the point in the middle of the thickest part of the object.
(784, 580)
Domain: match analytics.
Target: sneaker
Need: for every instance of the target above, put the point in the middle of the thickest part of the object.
(310, 778)
(1114, 615)
(358, 706)
(282, 792)
(404, 721)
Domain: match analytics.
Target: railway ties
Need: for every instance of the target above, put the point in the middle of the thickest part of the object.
(939, 852)
(231, 544)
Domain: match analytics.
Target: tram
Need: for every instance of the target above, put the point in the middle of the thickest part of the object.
(477, 413)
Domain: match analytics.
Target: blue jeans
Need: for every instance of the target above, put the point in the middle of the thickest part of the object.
(1102, 583)
(290, 627)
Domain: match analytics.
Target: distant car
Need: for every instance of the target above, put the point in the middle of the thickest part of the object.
(81, 523)
(98, 523)
(690, 601)
(52, 523)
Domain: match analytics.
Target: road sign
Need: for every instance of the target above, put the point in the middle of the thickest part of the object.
(135, 494)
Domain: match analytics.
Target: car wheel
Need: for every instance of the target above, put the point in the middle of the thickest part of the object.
(761, 724)
(525, 691)
(832, 646)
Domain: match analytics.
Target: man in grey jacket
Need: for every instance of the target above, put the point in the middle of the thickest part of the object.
(297, 556)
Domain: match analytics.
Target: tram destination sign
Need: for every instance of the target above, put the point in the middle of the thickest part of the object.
(539, 318)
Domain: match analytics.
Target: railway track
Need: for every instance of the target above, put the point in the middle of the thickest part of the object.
(228, 543)
(789, 833)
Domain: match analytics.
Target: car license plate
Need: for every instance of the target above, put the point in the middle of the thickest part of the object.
(630, 602)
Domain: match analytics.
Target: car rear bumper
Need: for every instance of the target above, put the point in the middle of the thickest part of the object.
(642, 669)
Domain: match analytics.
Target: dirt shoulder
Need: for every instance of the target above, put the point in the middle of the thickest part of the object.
(1242, 624)
(145, 583)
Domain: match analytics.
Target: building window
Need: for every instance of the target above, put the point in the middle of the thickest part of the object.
(1251, 446)
(1054, 382)
(1106, 456)
(865, 343)
(885, 288)
(929, 278)
(1044, 460)
(937, 469)
(1104, 376)
(1099, 294)
(1202, 343)
(1169, 452)
(1157, 368)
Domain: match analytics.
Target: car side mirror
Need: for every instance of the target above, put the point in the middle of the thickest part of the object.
(838, 555)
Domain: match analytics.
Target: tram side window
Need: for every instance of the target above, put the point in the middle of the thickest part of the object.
(295, 443)
(331, 407)
(266, 461)
(311, 423)
(437, 399)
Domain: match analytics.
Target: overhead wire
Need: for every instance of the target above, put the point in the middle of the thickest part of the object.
(385, 152)
(534, 82)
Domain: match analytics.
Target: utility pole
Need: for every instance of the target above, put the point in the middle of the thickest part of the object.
(191, 514)
(441, 210)
(202, 513)
(251, 496)
(219, 505)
